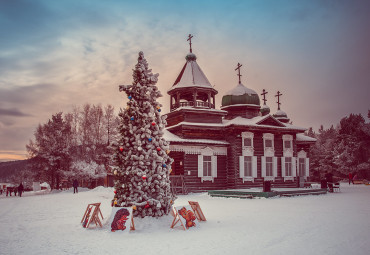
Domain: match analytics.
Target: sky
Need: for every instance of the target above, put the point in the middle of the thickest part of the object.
(55, 55)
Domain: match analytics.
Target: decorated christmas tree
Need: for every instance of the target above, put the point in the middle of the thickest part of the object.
(142, 162)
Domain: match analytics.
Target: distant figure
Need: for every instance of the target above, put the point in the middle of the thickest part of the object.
(350, 178)
(20, 189)
(15, 191)
(329, 177)
(75, 186)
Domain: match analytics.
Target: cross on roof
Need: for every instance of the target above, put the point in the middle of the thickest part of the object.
(278, 94)
(264, 92)
(238, 68)
(189, 39)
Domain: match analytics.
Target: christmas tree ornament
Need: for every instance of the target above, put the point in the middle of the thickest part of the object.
(171, 170)
(153, 124)
(134, 207)
(147, 205)
(159, 110)
(144, 177)
(164, 165)
(150, 139)
(158, 107)
(132, 118)
(158, 149)
(115, 172)
(115, 192)
(168, 151)
(130, 97)
(121, 149)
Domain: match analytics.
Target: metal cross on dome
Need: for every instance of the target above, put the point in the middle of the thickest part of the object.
(238, 68)
(278, 94)
(264, 92)
(189, 39)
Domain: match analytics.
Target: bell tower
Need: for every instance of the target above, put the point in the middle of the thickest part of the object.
(192, 97)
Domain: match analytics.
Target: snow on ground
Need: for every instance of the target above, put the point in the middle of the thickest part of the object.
(327, 224)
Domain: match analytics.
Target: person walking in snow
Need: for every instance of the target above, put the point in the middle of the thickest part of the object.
(20, 189)
(75, 186)
(350, 178)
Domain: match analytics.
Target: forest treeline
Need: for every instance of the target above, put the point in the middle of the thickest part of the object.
(343, 149)
(74, 145)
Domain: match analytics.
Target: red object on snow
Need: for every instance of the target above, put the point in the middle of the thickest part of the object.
(115, 192)
(147, 205)
(121, 149)
(158, 149)
(153, 123)
(144, 177)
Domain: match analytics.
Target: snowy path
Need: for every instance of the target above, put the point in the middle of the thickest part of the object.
(327, 224)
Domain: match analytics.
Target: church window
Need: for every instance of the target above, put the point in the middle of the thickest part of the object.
(207, 166)
(287, 144)
(269, 166)
(302, 166)
(288, 166)
(247, 166)
(268, 143)
(247, 142)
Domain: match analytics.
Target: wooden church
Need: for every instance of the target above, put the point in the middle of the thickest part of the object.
(240, 145)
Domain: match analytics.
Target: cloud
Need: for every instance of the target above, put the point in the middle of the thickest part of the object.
(12, 112)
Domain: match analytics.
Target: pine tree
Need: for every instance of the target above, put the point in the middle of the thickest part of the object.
(142, 162)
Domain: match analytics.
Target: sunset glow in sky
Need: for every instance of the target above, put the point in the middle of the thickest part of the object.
(57, 54)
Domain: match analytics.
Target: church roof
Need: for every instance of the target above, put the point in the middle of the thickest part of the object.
(258, 122)
(240, 95)
(170, 137)
(301, 138)
(191, 75)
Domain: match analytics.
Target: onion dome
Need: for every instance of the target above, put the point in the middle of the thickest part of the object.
(281, 116)
(191, 57)
(265, 110)
(240, 95)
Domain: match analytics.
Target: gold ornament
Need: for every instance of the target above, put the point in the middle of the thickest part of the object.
(133, 207)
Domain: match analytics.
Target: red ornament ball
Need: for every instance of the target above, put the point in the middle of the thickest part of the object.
(147, 206)
(158, 149)
(115, 192)
(153, 123)
(144, 177)
(121, 149)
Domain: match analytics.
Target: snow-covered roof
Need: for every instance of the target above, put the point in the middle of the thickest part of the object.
(236, 105)
(240, 121)
(240, 90)
(191, 75)
(304, 138)
(280, 113)
(168, 136)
